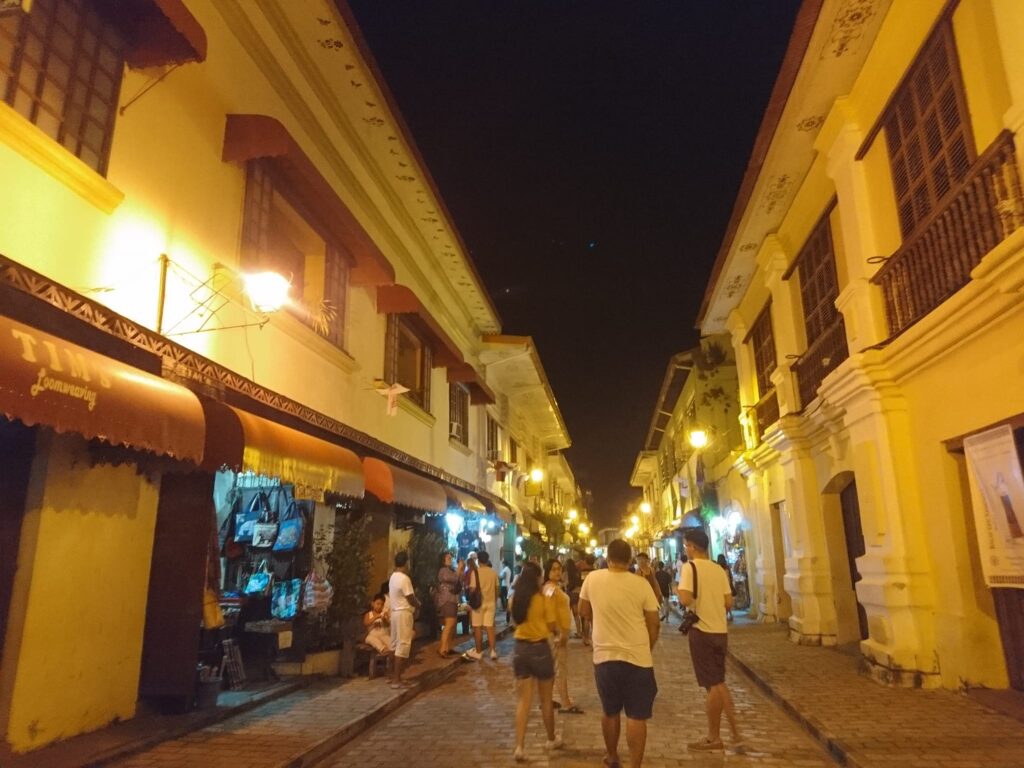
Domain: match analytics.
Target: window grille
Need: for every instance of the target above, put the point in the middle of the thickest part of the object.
(60, 68)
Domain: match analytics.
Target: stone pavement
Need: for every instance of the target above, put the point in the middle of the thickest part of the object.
(866, 724)
(468, 721)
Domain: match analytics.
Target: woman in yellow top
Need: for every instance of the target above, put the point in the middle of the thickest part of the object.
(532, 663)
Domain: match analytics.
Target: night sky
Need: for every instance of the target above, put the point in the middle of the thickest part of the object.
(590, 152)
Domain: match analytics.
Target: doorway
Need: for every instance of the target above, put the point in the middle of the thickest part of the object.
(783, 602)
(853, 534)
(17, 449)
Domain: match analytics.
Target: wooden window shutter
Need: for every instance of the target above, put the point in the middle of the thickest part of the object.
(819, 285)
(762, 344)
(259, 196)
(928, 132)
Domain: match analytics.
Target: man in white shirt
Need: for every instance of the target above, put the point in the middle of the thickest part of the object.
(404, 604)
(624, 613)
(482, 618)
(506, 582)
(709, 598)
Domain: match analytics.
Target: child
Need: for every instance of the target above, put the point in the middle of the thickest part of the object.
(378, 625)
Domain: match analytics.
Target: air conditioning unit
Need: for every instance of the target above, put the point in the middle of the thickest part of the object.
(455, 430)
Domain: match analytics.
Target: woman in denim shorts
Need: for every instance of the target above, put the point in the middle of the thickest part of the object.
(533, 664)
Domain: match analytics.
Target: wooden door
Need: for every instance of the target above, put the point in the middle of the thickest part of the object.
(855, 546)
(1010, 615)
(174, 608)
(17, 449)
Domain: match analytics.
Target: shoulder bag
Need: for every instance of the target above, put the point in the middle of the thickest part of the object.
(690, 617)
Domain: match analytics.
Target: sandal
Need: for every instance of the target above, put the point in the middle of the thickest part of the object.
(611, 763)
(573, 710)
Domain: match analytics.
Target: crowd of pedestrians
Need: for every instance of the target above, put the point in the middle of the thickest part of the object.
(615, 604)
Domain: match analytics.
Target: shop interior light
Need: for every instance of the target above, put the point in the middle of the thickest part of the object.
(519, 539)
(698, 438)
(268, 291)
(573, 514)
(453, 521)
(593, 542)
(584, 529)
(635, 520)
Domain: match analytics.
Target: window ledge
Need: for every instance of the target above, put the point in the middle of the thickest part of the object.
(35, 146)
(409, 406)
(460, 446)
(313, 341)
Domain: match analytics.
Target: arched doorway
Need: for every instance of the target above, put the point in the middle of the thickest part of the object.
(845, 540)
(783, 602)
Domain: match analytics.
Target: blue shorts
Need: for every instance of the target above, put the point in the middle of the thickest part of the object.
(533, 660)
(622, 685)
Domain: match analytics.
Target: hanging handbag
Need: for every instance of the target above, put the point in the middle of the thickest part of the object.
(284, 601)
(474, 595)
(317, 593)
(264, 532)
(246, 518)
(690, 617)
(260, 582)
(290, 530)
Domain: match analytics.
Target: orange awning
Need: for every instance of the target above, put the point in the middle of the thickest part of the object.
(249, 137)
(47, 380)
(394, 485)
(400, 299)
(158, 32)
(479, 392)
(245, 442)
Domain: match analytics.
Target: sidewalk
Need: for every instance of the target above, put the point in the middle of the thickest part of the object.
(867, 725)
(301, 723)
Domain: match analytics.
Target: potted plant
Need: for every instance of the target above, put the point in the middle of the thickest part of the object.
(425, 548)
(348, 563)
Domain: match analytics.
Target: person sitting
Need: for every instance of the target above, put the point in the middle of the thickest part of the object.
(377, 622)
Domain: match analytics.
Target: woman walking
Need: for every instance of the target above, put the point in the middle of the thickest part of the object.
(533, 663)
(449, 587)
(560, 641)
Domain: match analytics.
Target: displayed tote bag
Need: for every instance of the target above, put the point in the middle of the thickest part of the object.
(246, 518)
(284, 601)
(260, 583)
(317, 593)
(291, 529)
(264, 532)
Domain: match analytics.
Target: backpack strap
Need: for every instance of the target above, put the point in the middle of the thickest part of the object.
(693, 565)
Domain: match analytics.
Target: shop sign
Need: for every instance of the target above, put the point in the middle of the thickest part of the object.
(997, 495)
(56, 370)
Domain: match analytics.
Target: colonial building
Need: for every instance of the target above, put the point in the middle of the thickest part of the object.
(161, 162)
(686, 468)
(870, 279)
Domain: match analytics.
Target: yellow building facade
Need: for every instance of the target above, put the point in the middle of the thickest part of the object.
(151, 162)
(871, 282)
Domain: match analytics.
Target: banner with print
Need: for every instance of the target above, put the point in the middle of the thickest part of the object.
(997, 495)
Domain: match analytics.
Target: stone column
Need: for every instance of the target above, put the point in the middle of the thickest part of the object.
(787, 326)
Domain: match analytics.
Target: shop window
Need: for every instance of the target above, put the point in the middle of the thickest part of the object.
(513, 451)
(493, 439)
(928, 132)
(280, 235)
(762, 345)
(407, 359)
(60, 68)
(458, 412)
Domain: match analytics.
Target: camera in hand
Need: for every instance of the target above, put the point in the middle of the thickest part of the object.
(689, 619)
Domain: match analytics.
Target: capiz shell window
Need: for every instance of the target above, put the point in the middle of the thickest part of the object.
(60, 68)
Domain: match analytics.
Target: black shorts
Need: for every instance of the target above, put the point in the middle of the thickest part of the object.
(533, 660)
(622, 685)
(707, 649)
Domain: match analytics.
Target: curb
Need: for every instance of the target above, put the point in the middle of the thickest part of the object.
(311, 755)
(214, 717)
(836, 749)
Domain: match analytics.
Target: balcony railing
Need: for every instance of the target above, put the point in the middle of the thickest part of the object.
(766, 412)
(822, 356)
(937, 261)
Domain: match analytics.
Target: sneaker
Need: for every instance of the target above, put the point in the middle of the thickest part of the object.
(519, 755)
(556, 743)
(474, 654)
(494, 655)
(706, 745)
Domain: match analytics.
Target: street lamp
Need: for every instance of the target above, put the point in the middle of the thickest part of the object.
(698, 438)
(536, 475)
(635, 520)
(645, 507)
(268, 291)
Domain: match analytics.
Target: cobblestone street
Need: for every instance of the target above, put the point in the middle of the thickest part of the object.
(469, 720)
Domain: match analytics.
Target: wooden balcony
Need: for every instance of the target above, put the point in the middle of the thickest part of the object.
(822, 356)
(936, 261)
(766, 412)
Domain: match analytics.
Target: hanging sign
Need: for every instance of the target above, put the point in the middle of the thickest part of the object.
(997, 495)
